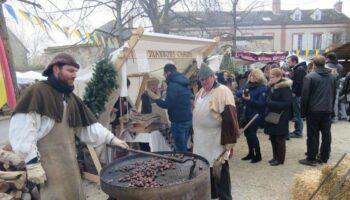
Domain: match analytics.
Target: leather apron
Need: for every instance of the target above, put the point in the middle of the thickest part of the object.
(58, 158)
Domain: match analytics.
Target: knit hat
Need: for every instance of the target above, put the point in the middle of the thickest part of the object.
(205, 72)
(61, 58)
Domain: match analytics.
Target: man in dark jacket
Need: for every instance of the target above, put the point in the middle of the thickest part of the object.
(317, 101)
(337, 71)
(178, 103)
(298, 75)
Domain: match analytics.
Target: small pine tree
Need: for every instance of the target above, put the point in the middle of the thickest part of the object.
(101, 85)
(226, 63)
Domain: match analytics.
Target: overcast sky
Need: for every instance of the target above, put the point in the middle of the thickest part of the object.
(30, 35)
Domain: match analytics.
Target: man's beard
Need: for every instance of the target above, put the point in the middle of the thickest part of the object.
(60, 85)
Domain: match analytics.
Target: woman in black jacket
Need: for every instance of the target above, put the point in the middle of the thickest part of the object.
(346, 90)
(279, 101)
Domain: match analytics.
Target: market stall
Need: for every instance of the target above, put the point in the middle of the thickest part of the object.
(143, 57)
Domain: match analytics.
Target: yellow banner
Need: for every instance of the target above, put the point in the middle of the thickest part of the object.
(25, 15)
(103, 41)
(3, 96)
(96, 39)
(38, 20)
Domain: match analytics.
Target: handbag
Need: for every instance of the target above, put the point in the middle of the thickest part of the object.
(273, 117)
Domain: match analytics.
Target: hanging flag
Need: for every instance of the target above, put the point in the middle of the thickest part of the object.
(103, 41)
(58, 27)
(317, 51)
(116, 43)
(326, 50)
(96, 39)
(297, 52)
(11, 11)
(307, 52)
(81, 36)
(46, 23)
(88, 37)
(321, 51)
(77, 33)
(109, 42)
(6, 79)
(26, 15)
(38, 20)
(66, 31)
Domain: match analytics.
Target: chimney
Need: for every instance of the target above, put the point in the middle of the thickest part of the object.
(338, 6)
(276, 7)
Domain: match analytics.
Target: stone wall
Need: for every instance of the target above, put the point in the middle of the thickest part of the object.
(85, 54)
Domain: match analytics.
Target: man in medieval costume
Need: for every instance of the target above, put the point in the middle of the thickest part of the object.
(215, 127)
(43, 126)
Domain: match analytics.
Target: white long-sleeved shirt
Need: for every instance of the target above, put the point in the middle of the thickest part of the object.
(26, 129)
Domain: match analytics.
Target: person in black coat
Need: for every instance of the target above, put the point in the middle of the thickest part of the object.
(297, 76)
(253, 95)
(317, 102)
(279, 100)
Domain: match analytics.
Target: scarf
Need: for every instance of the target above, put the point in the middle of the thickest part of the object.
(59, 85)
(44, 99)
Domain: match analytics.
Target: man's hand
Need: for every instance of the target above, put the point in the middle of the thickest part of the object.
(229, 151)
(36, 173)
(151, 94)
(120, 143)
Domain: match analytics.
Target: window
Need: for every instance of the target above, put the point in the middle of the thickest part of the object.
(266, 19)
(317, 15)
(317, 39)
(297, 15)
(298, 41)
(336, 38)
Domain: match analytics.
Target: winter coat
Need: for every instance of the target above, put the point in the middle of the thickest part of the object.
(178, 98)
(346, 88)
(337, 70)
(299, 73)
(319, 90)
(257, 102)
(279, 100)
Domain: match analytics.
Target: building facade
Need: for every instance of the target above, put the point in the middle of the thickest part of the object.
(305, 31)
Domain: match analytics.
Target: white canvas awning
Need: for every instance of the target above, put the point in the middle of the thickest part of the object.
(154, 50)
(28, 77)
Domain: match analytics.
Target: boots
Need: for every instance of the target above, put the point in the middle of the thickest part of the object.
(250, 155)
(257, 157)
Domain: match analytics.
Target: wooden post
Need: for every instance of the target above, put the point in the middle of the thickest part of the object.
(9, 56)
(96, 161)
(141, 90)
(136, 35)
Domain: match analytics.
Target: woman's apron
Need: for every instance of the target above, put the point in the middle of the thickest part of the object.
(58, 158)
(207, 131)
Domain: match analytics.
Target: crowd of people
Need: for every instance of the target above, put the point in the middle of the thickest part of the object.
(318, 92)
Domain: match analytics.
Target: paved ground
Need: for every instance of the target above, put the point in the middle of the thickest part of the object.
(256, 181)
